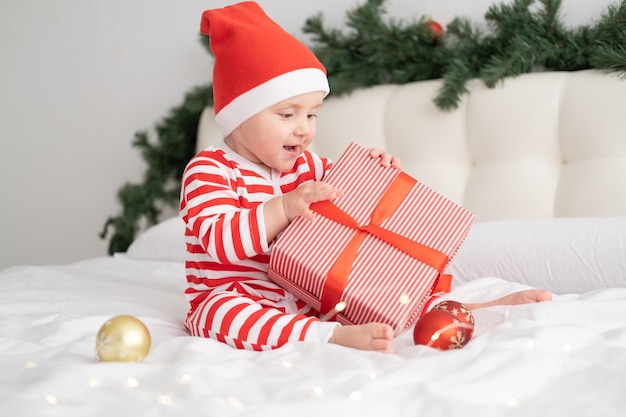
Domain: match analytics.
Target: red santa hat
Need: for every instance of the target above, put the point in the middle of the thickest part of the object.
(257, 63)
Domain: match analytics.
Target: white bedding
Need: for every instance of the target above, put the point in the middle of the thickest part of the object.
(562, 358)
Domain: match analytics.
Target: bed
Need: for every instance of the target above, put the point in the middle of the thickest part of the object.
(540, 160)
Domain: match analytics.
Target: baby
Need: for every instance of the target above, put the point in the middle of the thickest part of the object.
(238, 197)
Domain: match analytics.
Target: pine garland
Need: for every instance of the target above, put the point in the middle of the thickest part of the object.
(519, 37)
(375, 51)
(166, 160)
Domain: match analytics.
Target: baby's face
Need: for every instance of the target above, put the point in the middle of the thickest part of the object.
(276, 136)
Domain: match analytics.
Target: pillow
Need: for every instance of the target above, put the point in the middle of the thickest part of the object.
(563, 255)
(163, 241)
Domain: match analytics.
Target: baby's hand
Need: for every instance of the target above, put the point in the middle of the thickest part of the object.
(386, 159)
(296, 203)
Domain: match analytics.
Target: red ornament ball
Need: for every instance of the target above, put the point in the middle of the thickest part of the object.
(461, 312)
(435, 27)
(439, 329)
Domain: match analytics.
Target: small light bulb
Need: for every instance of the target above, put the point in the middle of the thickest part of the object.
(355, 395)
(235, 403)
(164, 400)
(132, 382)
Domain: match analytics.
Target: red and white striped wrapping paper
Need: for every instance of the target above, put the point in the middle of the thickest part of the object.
(384, 284)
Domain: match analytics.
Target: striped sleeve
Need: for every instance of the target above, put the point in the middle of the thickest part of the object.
(226, 226)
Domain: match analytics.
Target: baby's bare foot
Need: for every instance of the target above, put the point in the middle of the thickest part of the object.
(371, 336)
(520, 297)
(528, 296)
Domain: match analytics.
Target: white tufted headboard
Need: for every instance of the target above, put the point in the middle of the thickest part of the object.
(540, 145)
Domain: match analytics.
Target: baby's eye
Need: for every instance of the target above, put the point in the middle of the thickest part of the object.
(312, 115)
(286, 115)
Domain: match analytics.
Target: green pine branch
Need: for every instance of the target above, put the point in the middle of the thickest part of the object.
(166, 160)
(372, 50)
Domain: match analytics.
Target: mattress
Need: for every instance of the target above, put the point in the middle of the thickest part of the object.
(563, 357)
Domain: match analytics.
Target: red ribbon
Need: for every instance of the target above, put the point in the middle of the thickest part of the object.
(338, 274)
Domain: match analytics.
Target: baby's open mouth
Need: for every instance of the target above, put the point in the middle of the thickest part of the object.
(289, 148)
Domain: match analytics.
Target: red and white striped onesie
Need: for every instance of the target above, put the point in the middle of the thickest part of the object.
(231, 297)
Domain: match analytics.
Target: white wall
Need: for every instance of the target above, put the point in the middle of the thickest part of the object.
(79, 77)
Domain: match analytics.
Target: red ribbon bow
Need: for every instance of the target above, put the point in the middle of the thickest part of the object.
(338, 274)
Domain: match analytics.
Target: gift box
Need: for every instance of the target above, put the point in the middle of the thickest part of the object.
(377, 253)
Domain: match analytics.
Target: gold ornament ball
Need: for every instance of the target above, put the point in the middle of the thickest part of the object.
(123, 339)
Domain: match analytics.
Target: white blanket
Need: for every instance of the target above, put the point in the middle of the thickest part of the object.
(561, 358)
